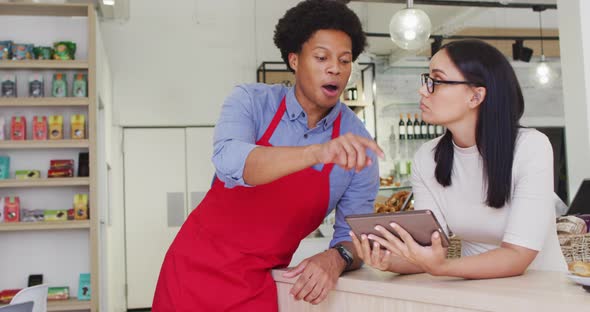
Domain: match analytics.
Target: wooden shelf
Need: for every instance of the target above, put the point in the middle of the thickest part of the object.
(37, 9)
(44, 102)
(49, 182)
(67, 305)
(43, 64)
(29, 144)
(45, 225)
(394, 188)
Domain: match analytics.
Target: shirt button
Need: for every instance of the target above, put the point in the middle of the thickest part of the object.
(292, 115)
(305, 136)
(303, 114)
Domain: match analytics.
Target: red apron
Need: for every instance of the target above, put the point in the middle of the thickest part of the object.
(221, 258)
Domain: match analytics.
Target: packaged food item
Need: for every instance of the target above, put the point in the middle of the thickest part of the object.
(77, 126)
(39, 128)
(18, 128)
(81, 206)
(27, 174)
(4, 167)
(58, 293)
(2, 127)
(35, 215)
(5, 50)
(55, 215)
(11, 209)
(60, 173)
(43, 53)
(56, 129)
(83, 170)
(59, 85)
(9, 85)
(64, 50)
(71, 214)
(61, 164)
(6, 295)
(36, 85)
(1, 215)
(84, 290)
(22, 51)
(80, 85)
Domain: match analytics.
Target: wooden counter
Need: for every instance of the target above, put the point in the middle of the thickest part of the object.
(370, 290)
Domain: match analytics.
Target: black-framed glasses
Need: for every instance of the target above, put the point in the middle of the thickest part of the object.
(430, 82)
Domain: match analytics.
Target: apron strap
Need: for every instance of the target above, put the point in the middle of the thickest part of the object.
(335, 133)
(264, 140)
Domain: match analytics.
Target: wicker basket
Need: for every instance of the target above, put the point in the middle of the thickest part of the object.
(573, 247)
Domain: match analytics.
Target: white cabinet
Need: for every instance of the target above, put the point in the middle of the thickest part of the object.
(167, 171)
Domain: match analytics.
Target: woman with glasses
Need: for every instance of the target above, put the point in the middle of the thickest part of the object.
(487, 179)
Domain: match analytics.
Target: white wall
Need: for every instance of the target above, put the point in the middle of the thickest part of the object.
(574, 31)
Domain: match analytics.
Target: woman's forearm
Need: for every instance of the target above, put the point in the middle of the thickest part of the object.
(401, 266)
(500, 262)
(267, 164)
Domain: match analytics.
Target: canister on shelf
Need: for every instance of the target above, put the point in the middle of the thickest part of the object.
(39, 128)
(56, 127)
(77, 126)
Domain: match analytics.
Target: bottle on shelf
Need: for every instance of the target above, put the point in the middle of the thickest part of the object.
(410, 128)
(417, 128)
(424, 130)
(431, 131)
(439, 130)
(402, 127)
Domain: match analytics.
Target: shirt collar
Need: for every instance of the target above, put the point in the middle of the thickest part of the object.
(295, 111)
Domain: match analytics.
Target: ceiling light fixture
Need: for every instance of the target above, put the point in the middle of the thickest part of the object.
(410, 28)
(108, 2)
(543, 73)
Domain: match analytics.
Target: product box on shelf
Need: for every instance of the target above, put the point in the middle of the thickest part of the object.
(58, 293)
(77, 126)
(35, 215)
(81, 206)
(55, 215)
(39, 128)
(56, 129)
(27, 174)
(59, 85)
(5, 49)
(2, 128)
(84, 291)
(36, 85)
(4, 167)
(80, 85)
(8, 85)
(18, 128)
(11, 209)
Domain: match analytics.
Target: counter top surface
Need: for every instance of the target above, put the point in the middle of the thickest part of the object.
(543, 291)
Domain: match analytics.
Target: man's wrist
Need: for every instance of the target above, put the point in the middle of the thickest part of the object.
(345, 255)
(338, 260)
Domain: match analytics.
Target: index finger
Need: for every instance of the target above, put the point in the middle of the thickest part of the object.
(372, 145)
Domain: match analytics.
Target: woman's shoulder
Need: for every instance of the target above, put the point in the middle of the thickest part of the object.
(424, 156)
(531, 142)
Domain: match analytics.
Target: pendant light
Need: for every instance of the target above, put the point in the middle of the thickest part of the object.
(543, 73)
(410, 28)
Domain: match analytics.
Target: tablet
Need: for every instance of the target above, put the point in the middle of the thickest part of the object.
(418, 223)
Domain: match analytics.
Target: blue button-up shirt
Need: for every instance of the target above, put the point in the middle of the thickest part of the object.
(245, 116)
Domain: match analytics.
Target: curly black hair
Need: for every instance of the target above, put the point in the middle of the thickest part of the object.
(301, 21)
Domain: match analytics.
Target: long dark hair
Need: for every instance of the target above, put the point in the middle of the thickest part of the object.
(498, 117)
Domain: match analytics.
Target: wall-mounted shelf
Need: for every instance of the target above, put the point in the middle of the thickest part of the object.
(50, 182)
(395, 188)
(43, 64)
(45, 225)
(44, 102)
(43, 144)
(68, 305)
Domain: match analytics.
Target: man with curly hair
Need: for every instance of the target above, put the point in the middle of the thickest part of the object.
(275, 148)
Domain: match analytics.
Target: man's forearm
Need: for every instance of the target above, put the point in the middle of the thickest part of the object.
(267, 164)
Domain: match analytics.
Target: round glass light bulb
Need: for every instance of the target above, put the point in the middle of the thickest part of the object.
(543, 73)
(410, 28)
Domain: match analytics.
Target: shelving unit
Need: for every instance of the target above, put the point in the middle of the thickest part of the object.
(43, 102)
(48, 144)
(46, 225)
(82, 232)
